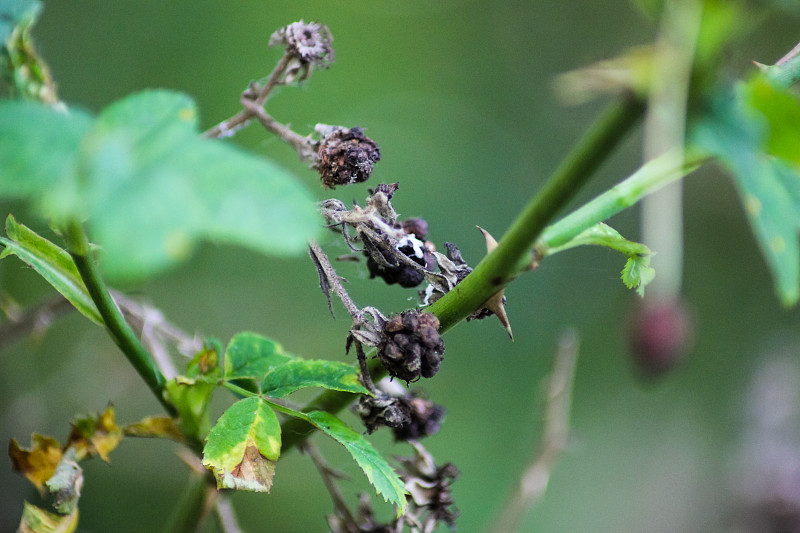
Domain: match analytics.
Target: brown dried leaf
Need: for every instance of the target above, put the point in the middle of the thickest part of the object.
(37, 463)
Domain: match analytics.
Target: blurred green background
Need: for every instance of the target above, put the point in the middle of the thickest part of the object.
(459, 97)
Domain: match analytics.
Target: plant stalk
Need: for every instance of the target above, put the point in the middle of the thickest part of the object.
(117, 327)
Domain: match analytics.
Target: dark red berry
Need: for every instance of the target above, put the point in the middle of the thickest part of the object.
(660, 336)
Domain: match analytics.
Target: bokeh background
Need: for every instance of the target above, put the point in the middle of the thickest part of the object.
(459, 96)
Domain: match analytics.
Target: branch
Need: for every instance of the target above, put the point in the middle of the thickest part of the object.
(118, 328)
(35, 320)
(513, 253)
(533, 482)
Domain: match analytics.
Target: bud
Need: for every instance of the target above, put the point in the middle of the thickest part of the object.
(411, 346)
(660, 336)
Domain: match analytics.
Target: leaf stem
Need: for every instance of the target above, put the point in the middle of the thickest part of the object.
(651, 177)
(118, 329)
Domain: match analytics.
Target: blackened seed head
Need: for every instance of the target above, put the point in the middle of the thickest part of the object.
(416, 226)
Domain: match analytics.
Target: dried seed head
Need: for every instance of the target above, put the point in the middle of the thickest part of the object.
(417, 227)
(346, 156)
(429, 490)
(425, 418)
(411, 347)
(394, 271)
(383, 410)
(308, 42)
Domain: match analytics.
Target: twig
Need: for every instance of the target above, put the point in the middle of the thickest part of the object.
(35, 319)
(226, 515)
(329, 477)
(534, 480)
(365, 375)
(303, 145)
(794, 52)
(228, 127)
(329, 279)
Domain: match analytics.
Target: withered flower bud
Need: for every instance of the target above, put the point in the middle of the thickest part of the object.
(383, 410)
(417, 227)
(411, 346)
(425, 419)
(308, 42)
(429, 489)
(346, 156)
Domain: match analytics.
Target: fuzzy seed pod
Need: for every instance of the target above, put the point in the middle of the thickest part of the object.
(383, 410)
(411, 346)
(425, 418)
(346, 156)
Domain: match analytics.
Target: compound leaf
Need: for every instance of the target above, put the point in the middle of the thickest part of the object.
(250, 355)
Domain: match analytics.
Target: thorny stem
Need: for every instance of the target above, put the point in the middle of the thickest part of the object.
(35, 319)
(119, 330)
(329, 279)
(533, 482)
(362, 363)
(786, 72)
(228, 127)
(513, 253)
(329, 477)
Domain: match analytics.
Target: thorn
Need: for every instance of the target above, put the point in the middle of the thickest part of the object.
(496, 304)
(761, 66)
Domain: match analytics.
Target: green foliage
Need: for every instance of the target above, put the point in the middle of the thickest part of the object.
(250, 355)
(243, 446)
(36, 520)
(751, 132)
(637, 272)
(302, 373)
(149, 186)
(380, 474)
(52, 263)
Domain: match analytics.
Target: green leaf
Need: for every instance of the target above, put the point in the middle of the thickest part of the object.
(243, 446)
(755, 146)
(16, 12)
(301, 373)
(65, 485)
(36, 520)
(250, 355)
(637, 272)
(39, 148)
(382, 476)
(148, 185)
(157, 188)
(52, 263)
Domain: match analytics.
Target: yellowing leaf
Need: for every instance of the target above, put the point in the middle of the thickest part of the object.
(37, 463)
(154, 426)
(36, 520)
(242, 448)
(98, 435)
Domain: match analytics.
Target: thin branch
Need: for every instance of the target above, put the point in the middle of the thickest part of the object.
(362, 363)
(329, 280)
(533, 482)
(303, 145)
(329, 477)
(119, 330)
(34, 320)
(228, 127)
(226, 515)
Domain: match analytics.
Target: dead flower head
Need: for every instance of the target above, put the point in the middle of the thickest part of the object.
(309, 42)
(345, 156)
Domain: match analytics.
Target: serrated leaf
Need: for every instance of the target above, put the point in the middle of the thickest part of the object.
(243, 446)
(36, 520)
(637, 273)
(382, 476)
(250, 355)
(65, 485)
(301, 373)
(743, 138)
(153, 173)
(37, 463)
(52, 263)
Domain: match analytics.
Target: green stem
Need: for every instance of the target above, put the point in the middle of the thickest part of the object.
(118, 328)
(513, 251)
(191, 511)
(651, 177)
